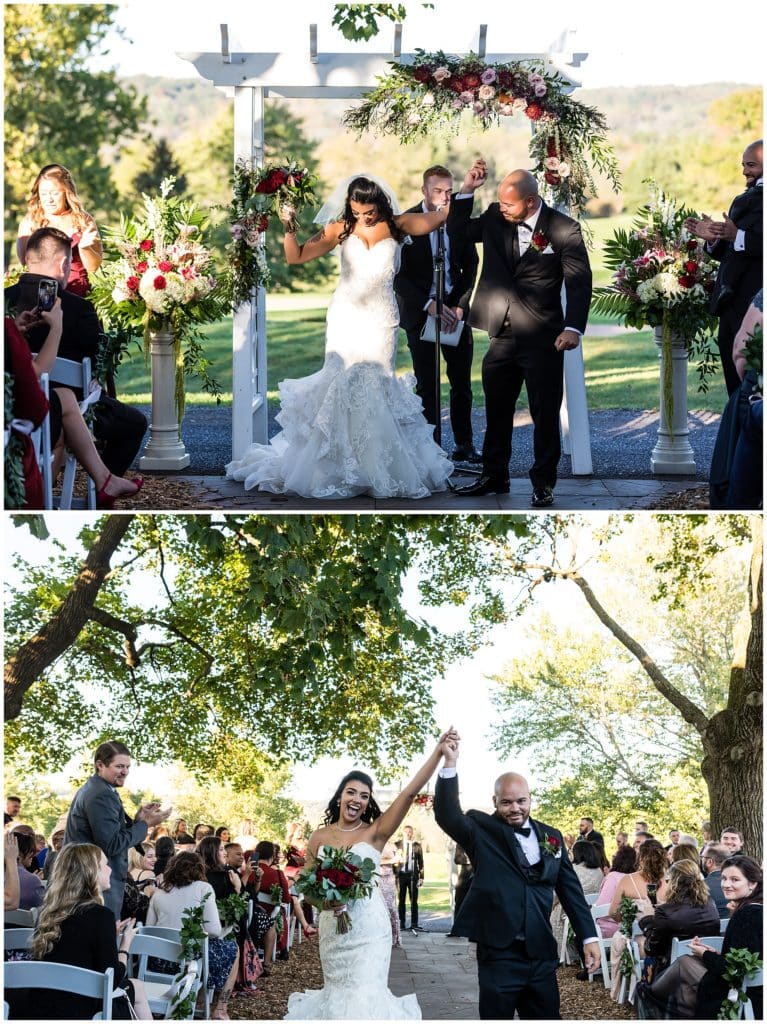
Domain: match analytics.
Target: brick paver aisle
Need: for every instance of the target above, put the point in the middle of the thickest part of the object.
(441, 971)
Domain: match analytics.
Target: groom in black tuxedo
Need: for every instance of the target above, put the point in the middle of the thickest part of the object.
(529, 251)
(415, 288)
(519, 864)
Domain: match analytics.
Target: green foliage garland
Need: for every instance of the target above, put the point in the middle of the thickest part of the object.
(628, 910)
(232, 909)
(741, 965)
(431, 94)
(192, 937)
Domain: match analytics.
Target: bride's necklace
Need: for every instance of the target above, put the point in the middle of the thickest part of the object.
(353, 829)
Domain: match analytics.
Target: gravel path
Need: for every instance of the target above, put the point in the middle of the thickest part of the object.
(621, 441)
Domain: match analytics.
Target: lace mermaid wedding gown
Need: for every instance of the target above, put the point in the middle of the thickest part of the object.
(353, 427)
(355, 966)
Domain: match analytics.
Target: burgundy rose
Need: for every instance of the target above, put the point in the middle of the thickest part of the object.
(551, 146)
(456, 83)
(708, 285)
(505, 79)
(146, 245)
(686, 280)
(422, 74)
(263, 186)
(534, 111)
(553, 841)
(692, 245)
(159, 283)
(133, 283)
(263, 222)
(277, 178)
(165, 266)
(551, 178)
(472, 81)
(691, 266)
(540, 241)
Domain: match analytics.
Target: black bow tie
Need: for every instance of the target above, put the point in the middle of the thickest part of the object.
(522, 831)
(525, 225)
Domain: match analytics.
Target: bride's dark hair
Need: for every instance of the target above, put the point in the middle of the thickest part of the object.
(333, 810)
(368, 193)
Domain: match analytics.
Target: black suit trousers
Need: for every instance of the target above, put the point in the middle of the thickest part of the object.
(408, 886)
(458, 368)
(508, 364)
(729, 322)
(510, 982)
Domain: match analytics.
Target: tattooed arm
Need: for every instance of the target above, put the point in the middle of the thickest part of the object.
(319, 244)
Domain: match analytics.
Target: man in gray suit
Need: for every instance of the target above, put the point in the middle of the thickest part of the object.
(97, 816)
(713, 858)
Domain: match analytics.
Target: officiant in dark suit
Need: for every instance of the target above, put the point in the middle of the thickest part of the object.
(737, 243)
(410, 876)
(529, 251)
(415, 287)
(519, 864)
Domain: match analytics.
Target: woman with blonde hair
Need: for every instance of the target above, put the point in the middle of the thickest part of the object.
(140, 882)
(53, 202)
(688, 910)
(74, 927)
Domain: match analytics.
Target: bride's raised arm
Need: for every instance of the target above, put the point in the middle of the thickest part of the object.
(393, 816)
(420, 223)
(318, 245)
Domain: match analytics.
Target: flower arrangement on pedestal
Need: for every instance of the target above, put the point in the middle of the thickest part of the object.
(662, 277)
(157, 275)
(258, 193)
(432, 94)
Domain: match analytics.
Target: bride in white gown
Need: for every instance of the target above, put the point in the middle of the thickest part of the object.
(355, 965)
(353, 427)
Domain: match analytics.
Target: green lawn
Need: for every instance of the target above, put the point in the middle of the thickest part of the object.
(621, 371)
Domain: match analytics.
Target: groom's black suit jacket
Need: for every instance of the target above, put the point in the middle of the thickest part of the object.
(416, 274)
(508, 899)
(740, 273)
(526, 294)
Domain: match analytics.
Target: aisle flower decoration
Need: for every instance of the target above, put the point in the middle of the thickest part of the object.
(740, 966)
(662, 277)
(158, 275)
(432, 94)
(337, 876)
(258, 193)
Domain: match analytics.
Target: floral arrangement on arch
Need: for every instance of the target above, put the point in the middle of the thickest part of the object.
(158, 275)
(258, 193)
(662, 277)
(425, 800)
(431, 94)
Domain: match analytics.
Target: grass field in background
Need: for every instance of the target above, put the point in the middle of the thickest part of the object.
(435, 891)
(621, 371)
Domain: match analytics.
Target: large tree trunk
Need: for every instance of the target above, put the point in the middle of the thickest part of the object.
(733, 742)
(64, 626)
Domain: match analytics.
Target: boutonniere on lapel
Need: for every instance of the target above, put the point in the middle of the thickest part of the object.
(550, 846)
(539, 242)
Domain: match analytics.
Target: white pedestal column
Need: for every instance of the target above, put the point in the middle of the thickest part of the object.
(165, 449)
(672, 453)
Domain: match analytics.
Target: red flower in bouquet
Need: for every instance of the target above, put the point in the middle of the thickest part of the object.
(160, 283)
(142, 266)
(133, 283)
(422, 74)
(146, 245)
(337, 877)
(691, 266)
(165, 266)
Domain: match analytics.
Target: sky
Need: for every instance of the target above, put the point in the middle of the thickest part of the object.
(462, 696)
(655, 42)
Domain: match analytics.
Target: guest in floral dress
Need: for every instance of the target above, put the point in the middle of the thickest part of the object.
(390, 860)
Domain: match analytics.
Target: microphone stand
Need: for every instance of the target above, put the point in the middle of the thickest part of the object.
(439, 276)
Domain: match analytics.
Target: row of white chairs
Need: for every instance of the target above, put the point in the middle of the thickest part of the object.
(162, 990)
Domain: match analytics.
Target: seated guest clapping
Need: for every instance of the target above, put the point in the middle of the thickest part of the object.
(74, 927)
(694, 986)
(184, 886)
(261, 927)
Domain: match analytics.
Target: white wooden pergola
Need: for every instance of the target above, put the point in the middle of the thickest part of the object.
(251, 78)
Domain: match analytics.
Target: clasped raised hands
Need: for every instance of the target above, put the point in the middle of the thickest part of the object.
(476, 176)
(448, 746)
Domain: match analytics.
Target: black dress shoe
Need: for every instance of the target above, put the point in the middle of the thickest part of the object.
(542, 497)
(484, 485)
(466, 453)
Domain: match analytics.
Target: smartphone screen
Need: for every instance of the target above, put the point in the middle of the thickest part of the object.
(46, 294)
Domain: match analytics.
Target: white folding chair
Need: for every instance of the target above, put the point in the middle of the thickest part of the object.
(605, 945)
(174, 935)
(76, 375)
(22, 918)
(723, 922)
(35, 974)
(17, 938)
(681, 947)
(629, 984)
(755, 981)
(162, 990)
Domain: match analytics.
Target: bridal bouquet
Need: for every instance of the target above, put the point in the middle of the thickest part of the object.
(337, 876)
(258, 193)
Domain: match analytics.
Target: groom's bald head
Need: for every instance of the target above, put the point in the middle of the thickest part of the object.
(518, 196)
(512, 798)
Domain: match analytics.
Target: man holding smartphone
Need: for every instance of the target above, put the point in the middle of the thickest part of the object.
(118, 426)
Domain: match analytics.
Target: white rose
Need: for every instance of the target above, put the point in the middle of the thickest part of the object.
(506, 109)
(564, 169)
(519, 104)
(414, 118)
(486, 92)
(428, 100)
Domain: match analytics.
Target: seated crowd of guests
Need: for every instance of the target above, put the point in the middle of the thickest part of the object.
(679, 891)
(166, 876)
